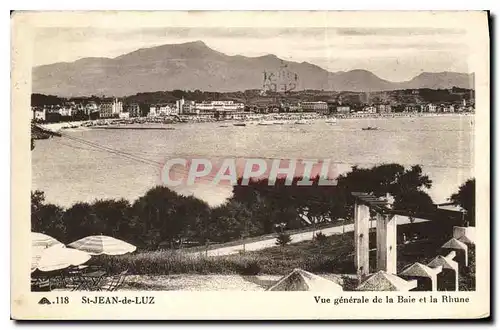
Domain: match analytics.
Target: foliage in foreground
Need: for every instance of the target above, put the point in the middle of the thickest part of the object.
(283, 239)
(169, 263)
(329, 257)
(466, 198)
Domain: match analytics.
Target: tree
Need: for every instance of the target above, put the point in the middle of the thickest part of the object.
(37, 199)
(415, 203)
(402, 184)
(232, 220)
(466, 198)
(320, 238)
(193, 214)
(282, 203)
(113, 216)
(167, 218)
(296, 205)
(41, 100)
(46, 218)
(81, 221)
(156, 211)
(283, 239)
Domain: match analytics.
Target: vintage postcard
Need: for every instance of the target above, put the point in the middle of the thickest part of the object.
(250, 165)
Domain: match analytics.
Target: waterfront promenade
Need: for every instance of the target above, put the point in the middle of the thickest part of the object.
(251, 118)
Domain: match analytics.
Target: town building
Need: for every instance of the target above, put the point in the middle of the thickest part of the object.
(447, 108)
(384, 108)
(66, 111)
(134, 110)
(167, 110)
(218, 106)
(179, 105)
(332, 106)
(117, 107)
(370, 109)
(343, 109)
(110, 109)
(319, 107)
(263, 105)
(430, 107)
(294, 108)
(188, 107)
(39, 114)
(152, 111)
(413, 108)
(90, 108)
(106, 110)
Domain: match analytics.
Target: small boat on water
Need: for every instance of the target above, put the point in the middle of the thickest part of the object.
(266, 122)
(224, 125)
(279, 122)
(301, 122)
(240, 124)
(331, 120)
(369, 128)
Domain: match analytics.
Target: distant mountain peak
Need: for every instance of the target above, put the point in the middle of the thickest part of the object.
(196, 43)
(268, 56)
(442, 73)
(190, 44)
(360, 71)
(194, 65)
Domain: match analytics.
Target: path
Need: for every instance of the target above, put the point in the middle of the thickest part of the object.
(299, 237)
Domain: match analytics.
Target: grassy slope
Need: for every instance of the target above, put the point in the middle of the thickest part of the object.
(334, 256)
(263, 237)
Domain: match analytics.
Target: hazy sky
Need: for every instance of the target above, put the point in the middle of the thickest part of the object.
(395, 54)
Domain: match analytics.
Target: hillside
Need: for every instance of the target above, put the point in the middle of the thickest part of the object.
(194, 65)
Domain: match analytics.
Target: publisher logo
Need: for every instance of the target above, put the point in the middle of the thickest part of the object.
(44, 301)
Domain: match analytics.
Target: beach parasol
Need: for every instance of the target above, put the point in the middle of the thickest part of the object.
(103, 245)
(44, 241)
(301, 280)
(383, 281)
(56, 257)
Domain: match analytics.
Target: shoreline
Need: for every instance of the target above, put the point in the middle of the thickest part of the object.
(116, 123)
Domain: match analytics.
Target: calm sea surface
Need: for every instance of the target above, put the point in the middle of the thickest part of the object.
(69, 171)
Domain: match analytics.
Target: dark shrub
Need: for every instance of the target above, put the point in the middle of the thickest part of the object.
(283, 239)
(249, 267)
(320, 238)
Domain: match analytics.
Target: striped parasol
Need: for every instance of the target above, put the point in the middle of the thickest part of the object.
(43, 241)
(56, 257)
(103, 245)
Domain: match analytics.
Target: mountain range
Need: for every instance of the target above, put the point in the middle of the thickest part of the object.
(194, 65)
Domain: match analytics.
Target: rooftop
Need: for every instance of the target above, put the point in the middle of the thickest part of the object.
(382, 281)
(301, 280)
(420, 270)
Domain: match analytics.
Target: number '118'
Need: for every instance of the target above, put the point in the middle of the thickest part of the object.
(62, 300)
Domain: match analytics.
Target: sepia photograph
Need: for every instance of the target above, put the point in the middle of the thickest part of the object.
(199, 154)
